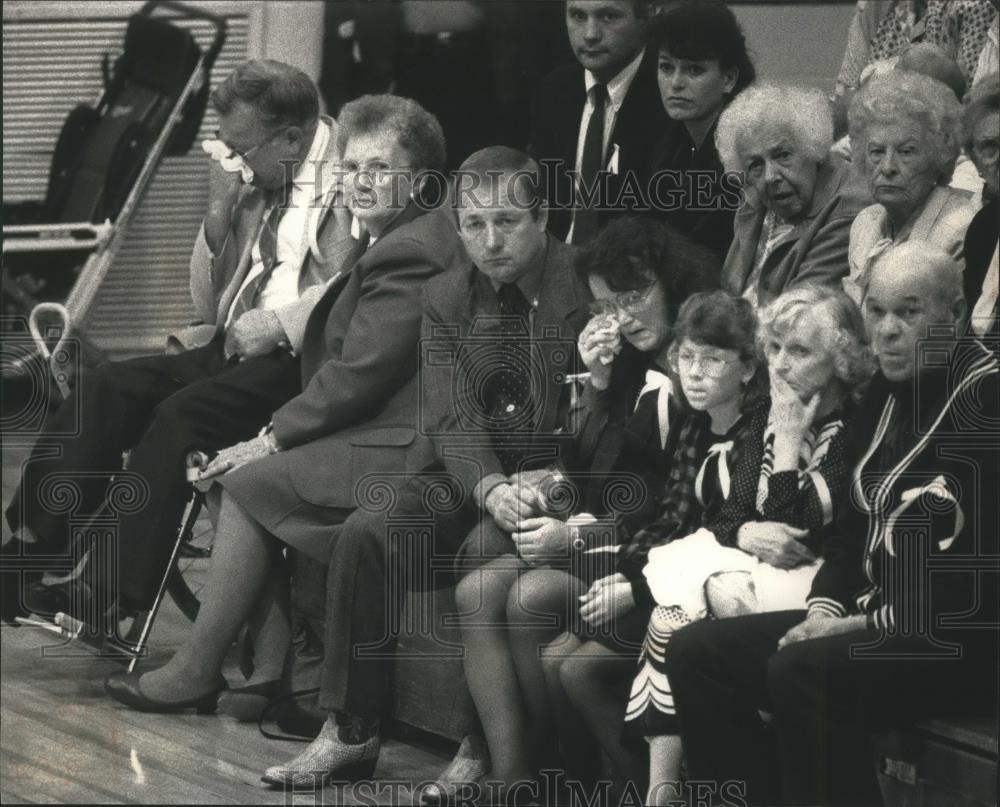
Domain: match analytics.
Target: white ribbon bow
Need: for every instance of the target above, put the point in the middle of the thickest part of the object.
(722, 449)
(655, 380)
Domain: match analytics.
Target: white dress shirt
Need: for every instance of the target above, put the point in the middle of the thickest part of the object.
(617, 90)
(282, 287)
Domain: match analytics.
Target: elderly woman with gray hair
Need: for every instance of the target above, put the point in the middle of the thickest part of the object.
(906, 132)
(795, 222)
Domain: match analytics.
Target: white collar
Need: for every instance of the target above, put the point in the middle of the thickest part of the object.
(618, 86)
(305, 176)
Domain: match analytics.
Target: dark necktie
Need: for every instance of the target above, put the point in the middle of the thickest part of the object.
(267, 243)
(511, 406)
(585, 222)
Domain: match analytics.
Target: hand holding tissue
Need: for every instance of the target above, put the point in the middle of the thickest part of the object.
(227, 159)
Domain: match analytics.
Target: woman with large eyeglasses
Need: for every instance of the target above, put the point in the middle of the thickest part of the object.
(589, 667)
(759, 551)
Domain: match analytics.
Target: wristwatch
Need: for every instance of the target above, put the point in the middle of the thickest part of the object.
(575, 539)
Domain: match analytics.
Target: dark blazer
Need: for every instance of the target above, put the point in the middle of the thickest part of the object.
(816, 248)
(555, 128)
(460, 310)
(980, 243)
(690, 190)
(357, 410)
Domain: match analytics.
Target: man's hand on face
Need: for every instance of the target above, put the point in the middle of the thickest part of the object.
(256, 333)
(223, 190)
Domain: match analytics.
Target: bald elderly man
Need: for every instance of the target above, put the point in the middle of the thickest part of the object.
(872, 650)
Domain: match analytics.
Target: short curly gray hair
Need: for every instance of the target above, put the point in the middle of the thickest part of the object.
(841, 323)
(803, 115)
(982, 99)
(417, 130)
(902, 94)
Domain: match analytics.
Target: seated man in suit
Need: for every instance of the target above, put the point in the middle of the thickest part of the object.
(269, 243)
(499, 338)
(896, 628)
(594, 124)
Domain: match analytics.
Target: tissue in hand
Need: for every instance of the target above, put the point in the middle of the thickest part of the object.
(225, 157)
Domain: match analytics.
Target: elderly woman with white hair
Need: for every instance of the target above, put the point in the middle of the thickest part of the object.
(801, 202)
(760, 552)
(906, 132)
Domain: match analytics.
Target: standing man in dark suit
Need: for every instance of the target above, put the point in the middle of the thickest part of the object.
(273, 235)
(594, 124)
(499, 339)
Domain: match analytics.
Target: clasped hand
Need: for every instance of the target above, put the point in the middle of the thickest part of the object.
(607, 599)
(256, 333)
(775, 543)
(541, 538)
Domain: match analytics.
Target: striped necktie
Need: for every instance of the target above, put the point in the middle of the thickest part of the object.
(267, 244)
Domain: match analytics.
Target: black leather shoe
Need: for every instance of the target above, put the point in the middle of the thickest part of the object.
(470, 763)
(247, 703)
(124, 688)
(14, 579)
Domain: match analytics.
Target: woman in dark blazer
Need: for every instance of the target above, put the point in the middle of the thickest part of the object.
(355, 414)
(702, 65)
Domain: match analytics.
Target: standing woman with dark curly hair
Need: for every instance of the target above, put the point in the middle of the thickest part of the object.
(703, 64)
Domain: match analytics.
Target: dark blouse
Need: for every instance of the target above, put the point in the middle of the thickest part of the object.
(688, 189)
(808, 498)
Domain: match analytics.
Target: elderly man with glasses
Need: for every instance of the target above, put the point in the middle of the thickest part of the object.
(274, 233)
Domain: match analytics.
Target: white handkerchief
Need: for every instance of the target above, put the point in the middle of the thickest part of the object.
(225, 157)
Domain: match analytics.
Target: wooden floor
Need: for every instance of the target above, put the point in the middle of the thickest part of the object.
(62, 740)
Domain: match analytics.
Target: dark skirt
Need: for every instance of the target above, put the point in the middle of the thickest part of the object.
(263, 488)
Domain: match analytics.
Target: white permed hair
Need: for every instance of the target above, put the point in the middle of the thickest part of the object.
(903, 95)
(841, 325)
(802, 114)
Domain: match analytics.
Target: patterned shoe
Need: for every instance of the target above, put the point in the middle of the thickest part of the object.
(327, 759)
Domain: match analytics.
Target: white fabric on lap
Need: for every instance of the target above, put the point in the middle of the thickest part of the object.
(782, 589)
(678, 571)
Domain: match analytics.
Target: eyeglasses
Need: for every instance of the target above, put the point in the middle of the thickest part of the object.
(376, 170)
(626, 302)
(245, 154)
(711, 366)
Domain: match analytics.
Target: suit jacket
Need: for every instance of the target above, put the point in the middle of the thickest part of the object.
(555, 128)
(980, 244)
(357, 410)
(216, 279)
(458, 317)
(815, 250)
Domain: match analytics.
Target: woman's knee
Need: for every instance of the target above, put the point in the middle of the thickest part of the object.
(483, 591)
(579, 672)
(539, 598)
